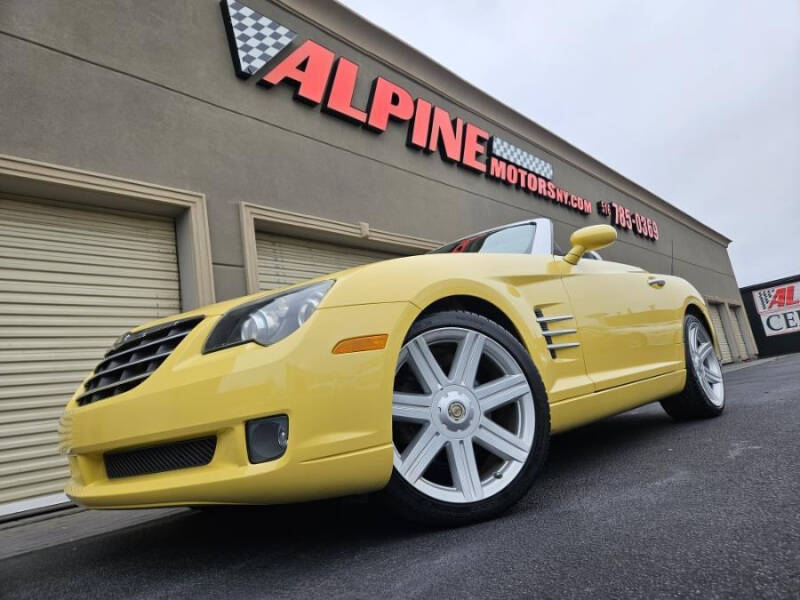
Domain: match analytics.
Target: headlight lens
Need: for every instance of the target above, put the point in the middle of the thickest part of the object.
(268, 320)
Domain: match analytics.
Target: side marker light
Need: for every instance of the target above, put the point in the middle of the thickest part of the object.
(361, 344)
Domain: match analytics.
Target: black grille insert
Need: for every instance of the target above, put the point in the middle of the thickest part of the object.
(134, 359)
(157, 459)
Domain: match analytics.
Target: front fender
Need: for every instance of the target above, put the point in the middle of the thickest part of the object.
(504, 296)
(696, 301)
(423, 280)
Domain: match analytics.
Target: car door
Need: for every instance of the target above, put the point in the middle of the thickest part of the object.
(628, 323)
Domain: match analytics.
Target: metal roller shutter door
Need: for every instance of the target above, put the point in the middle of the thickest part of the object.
(716, 320)
(71, 281)
(738, 334)
(284, 260)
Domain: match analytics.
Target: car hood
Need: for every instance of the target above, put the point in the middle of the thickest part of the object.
(219, 308)
(405, 279)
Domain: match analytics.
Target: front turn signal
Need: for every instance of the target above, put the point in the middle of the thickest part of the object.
(361, 344)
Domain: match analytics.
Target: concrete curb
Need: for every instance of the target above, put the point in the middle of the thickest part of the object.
(751, 363)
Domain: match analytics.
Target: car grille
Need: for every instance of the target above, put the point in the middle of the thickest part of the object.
(134, 359)
(158, 459)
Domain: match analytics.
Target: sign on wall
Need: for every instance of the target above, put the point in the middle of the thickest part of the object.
(320, 78)
(624, 218)
(779, 308)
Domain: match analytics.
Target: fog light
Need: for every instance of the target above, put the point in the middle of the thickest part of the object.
(267, 438)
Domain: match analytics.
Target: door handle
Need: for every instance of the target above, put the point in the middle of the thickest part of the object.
(657, 282)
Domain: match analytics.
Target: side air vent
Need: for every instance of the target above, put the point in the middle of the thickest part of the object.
(549, 333)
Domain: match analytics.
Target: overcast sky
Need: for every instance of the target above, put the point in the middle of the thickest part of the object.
(698, 101)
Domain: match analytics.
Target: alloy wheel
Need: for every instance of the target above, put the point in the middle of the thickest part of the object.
(706, 364)
(463, 415)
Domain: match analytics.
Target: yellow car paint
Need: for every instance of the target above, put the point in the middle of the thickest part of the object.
(595, 237)
(625, 341)
(339, 405)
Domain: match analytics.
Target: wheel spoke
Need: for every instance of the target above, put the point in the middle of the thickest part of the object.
(500, 441)
(411, 407)
(501, 391)
(464, 469)
(425, 365)
(704, 350)
(420, 452)
(401, 359)
(467, 358)
(713, 377)
(693, 338)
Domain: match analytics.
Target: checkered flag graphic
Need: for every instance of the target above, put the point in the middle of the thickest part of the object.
(764, 297)
(254, 39)
(508, 151)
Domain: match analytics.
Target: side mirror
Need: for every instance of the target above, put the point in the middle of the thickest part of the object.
(589, 238)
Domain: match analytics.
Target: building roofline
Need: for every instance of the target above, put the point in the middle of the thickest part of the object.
(351, 28)
(771, 283)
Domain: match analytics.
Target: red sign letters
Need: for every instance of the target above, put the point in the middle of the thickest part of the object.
(623, 218)
(320, 78)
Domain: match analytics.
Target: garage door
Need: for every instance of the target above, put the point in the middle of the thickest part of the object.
(737, 313)
(71, 281)
(285, 260)
(716, 320)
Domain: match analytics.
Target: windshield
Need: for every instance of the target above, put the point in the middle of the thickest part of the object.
(517, 239)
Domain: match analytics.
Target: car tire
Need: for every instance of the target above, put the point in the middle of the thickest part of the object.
(703, 396)
(464, 420)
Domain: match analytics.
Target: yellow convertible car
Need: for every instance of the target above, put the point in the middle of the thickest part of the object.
(434, 380)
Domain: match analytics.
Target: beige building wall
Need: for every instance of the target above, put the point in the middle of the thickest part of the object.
(146, 91)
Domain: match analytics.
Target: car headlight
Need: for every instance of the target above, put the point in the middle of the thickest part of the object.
(268, 320)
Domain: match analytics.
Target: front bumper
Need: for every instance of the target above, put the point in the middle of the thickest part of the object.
(339, 409)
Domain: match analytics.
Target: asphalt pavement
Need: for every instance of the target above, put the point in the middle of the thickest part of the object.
(635, 506)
